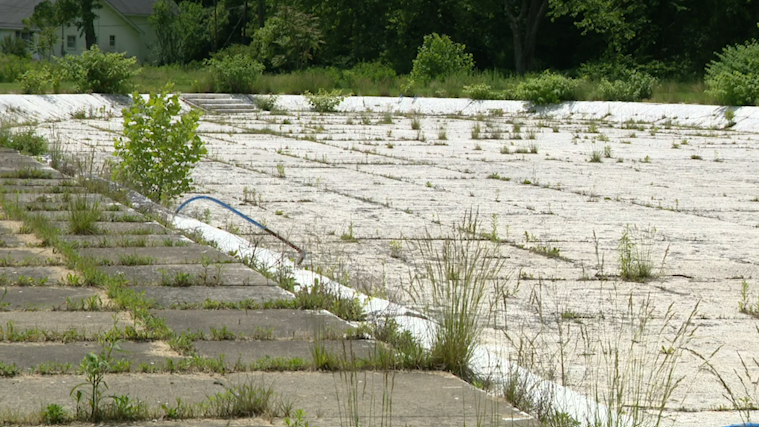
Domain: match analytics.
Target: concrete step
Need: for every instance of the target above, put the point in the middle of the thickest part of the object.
(414, 399)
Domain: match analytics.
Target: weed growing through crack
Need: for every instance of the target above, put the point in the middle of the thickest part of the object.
(635, 258)
(596, 156)
(744, 306)
(452, 285)
(476, 131)
(90, 393)
(83, 216)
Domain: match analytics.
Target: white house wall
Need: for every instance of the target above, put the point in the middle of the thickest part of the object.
(109, 23)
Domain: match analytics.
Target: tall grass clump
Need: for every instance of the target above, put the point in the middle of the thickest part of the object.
(733, 78)
(83, 216)
(454, 284)
(635, 258)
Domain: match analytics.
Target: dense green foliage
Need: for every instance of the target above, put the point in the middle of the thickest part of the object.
(181, 31)
(734, 78)
(26, 141)
(621, 49)
(100, 72)
(439, 56)
(13, 46)
(158, 151)
(545, 88)
(233, 73)
(288, 40)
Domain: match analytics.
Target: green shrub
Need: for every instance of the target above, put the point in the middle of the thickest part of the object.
(27, 141)
(323, 101)
(15, 46)
(374, 71)
(480, 91)
(266, 103)
(234, 73)
(634, 86)
(288, 40)
(12, 67)
(545, 88)
(100, 72)
(35, 80)
(158, 153)
(733, 79)
(439, 56)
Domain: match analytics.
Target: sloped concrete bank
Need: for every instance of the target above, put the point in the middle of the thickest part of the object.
(387, 177)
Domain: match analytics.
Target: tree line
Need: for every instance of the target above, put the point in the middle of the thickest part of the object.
(671, 39)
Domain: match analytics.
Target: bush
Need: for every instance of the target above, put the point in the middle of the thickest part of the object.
(100, 72)
(158, 153)
(618, 79)
(439, 57)
(323, 101)
(15, 46)
(288, 40)
(234, 73)
(733, 79)
(374, 71)
(27, 142)
(480, 91)
(266, 103)
(634, 87)
(12, 67)
(35, 80)
(545, 88)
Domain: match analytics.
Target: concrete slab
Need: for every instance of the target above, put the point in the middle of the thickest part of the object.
(60, 200)
(179, 297)
(86, 324)
(36, 184)
(195, 254)
(324, 397)
(39, 275)
(225, 274)
(106, 216)
(35, 357)
(105, 241)
(135, 228)
(41, 298)
(29, 257)
(248, 352)
(277, 324)
(18, 240)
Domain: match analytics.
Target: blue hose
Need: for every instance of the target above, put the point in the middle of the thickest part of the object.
(301, 252)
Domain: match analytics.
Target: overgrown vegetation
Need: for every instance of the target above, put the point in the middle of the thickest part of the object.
(100, 72)
(733, 78)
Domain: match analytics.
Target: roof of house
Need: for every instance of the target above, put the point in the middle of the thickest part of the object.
(13, 11)
(133, 7)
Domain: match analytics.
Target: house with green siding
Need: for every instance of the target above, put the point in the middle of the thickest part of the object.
(120, 26)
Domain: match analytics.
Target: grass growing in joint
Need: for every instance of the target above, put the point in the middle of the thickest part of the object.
(83, 215)
(453, 285)
(634, 248)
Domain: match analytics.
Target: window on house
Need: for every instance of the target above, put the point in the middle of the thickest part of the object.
(112, 42)
(71, 42)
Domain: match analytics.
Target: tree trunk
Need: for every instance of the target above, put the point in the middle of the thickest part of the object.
(524, 30)
(261, 20)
